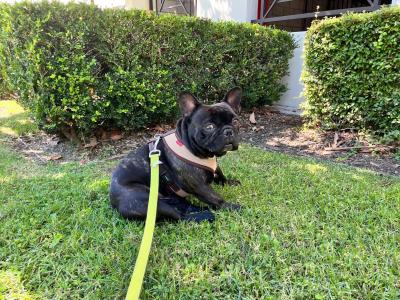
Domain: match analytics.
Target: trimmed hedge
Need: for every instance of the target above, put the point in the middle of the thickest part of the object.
(4, 82)
(81, 67)
(352, 72)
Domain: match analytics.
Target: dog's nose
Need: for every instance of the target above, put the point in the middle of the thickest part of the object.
(228, 132)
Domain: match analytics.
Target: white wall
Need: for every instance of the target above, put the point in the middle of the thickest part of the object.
(291, 99)
(252, 6)
(137, 4)
(107, 4)
(227, 10)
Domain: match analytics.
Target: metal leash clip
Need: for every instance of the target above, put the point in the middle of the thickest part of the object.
(155, 150)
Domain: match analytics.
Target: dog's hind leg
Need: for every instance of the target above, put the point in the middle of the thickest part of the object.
(131, 202)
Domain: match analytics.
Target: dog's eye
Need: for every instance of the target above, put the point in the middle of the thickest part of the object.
(235, 122)
(210, 127)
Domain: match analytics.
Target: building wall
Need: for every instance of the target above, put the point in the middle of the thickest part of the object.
(138, 4)
(227, 10)
(105, 3)
(292, 98)
(252, 7)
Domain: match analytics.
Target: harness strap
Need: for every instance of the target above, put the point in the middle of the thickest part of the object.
(175, 145)
(166, 177)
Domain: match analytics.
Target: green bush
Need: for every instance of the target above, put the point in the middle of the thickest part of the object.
(352, 72)
(81, 67)
(4, 81)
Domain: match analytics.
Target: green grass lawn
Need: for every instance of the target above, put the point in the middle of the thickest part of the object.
(308, 230)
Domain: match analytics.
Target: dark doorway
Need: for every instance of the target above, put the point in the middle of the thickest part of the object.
(297, 15)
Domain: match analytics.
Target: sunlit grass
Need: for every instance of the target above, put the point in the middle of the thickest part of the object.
(14, 120)
(11, 287)
(307, 230)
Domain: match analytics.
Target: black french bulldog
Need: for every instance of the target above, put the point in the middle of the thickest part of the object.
(207, 131)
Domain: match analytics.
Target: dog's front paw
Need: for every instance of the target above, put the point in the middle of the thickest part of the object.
(198, 217)
(233, 182)
(231, 206)
(224, 181)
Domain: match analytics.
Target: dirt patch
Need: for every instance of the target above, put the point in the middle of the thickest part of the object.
(42, 147)
(285, 133)
(272, 131)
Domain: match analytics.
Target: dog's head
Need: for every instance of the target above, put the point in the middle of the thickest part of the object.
(210, 130)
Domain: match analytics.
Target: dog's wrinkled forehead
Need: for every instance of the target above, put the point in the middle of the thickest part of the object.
(219, 113)
(222, 107)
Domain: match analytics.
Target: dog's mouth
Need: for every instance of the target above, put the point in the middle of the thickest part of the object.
(228, 147)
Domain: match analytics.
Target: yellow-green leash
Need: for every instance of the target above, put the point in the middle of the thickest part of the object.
(135, 285)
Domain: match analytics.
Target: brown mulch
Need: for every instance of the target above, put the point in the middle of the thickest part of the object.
(42, 147)
(285, 133)
(272, 131)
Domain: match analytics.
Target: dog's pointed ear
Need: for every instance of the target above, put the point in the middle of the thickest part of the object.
(233, 98)
(188, 103)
